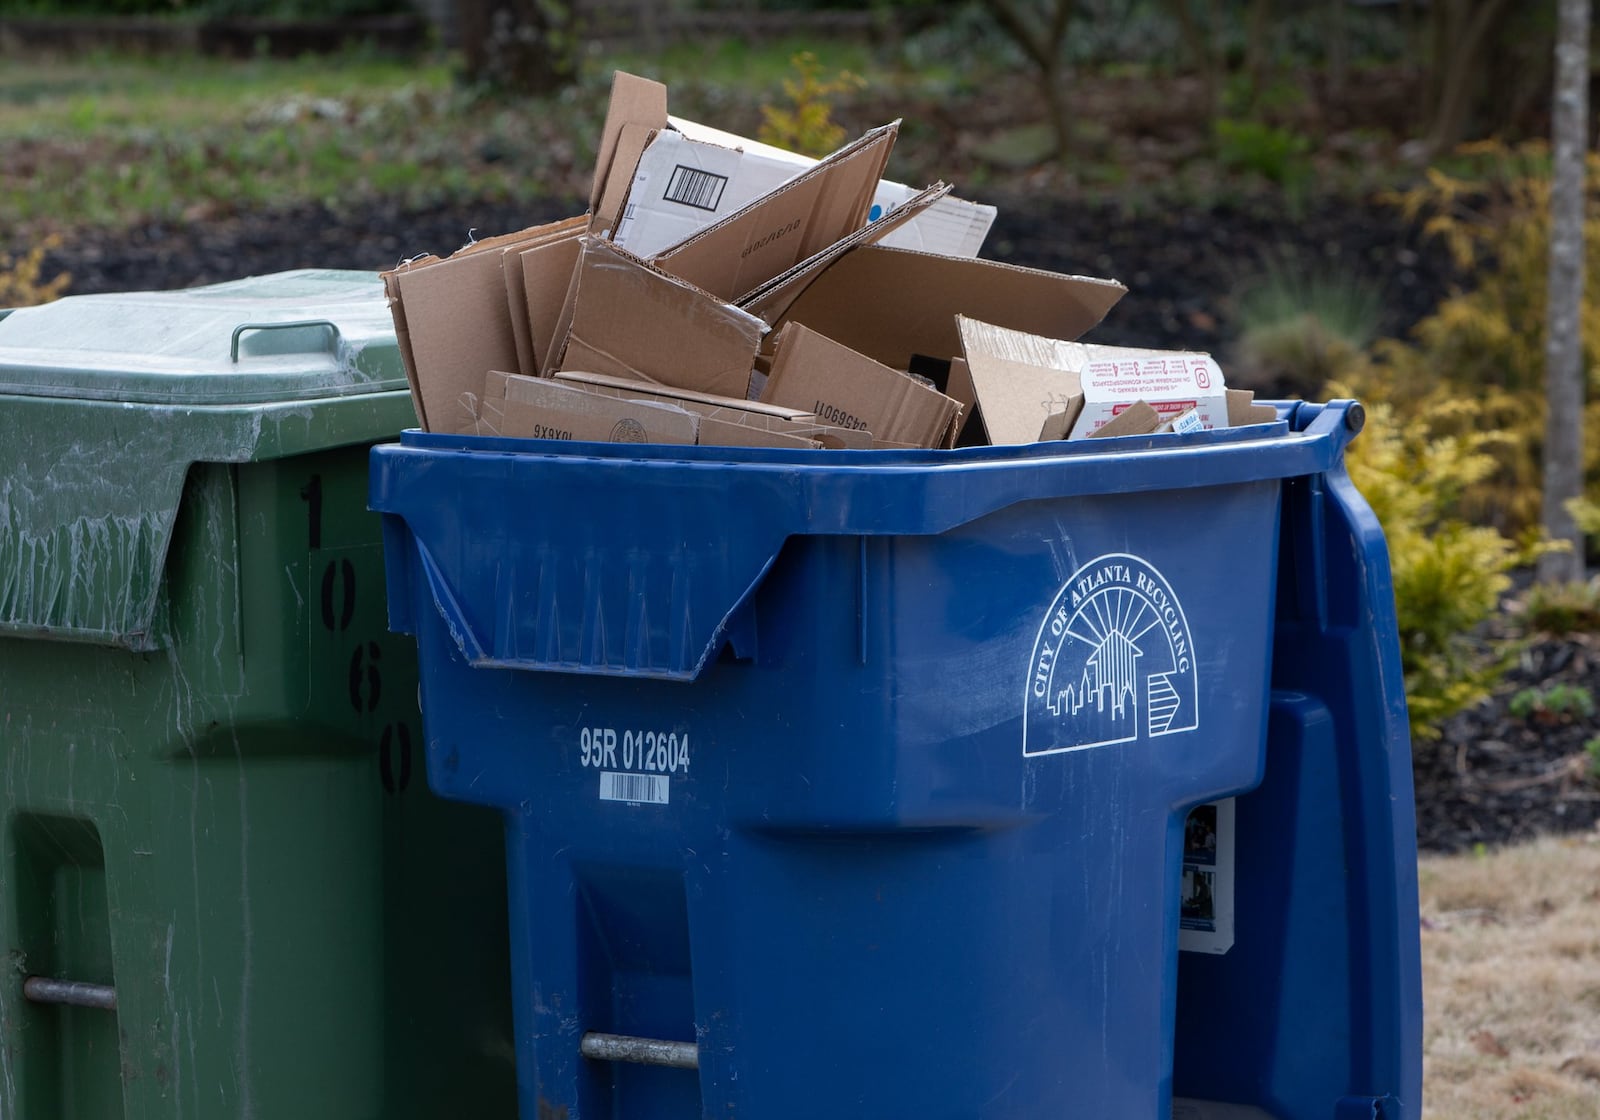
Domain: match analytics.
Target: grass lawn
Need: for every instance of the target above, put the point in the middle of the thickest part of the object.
(1511, 983)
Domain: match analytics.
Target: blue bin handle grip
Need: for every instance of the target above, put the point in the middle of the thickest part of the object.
(298, 324)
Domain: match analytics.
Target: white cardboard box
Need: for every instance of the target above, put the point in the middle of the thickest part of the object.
(693, 176)
(1027, 385)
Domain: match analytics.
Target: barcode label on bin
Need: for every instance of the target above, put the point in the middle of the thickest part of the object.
(647, 789)
(691, 187)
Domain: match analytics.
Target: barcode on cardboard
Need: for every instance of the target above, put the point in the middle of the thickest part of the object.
(645, 789)
(692, 187)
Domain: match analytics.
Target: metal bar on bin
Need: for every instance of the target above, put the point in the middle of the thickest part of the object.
(72, 993)
(641, 1051)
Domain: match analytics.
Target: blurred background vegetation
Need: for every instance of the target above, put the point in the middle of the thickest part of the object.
(115, 114)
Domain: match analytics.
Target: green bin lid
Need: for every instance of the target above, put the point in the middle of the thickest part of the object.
(106, 401)
(313, 333)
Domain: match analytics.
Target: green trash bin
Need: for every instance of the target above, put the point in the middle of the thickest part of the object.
(225, 888)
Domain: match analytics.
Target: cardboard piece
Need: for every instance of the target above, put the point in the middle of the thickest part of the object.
(525, 287)
(894, 304)
(771, 418)
(1171, 382)
(776, 295)
(546, 278)
(538, 408)
(1243, 411)
(728, 433)
(691, 175)
(456, 321)
(1137, 419)
(1058, 424)
(842, 387)
(1184, 423)
(639, 107)
(734, 256)
(1027, 385)
(624, 318)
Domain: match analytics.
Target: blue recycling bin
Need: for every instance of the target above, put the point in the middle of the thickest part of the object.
(1057, 781)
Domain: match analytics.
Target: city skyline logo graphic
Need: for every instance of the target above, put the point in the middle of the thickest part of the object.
(1113, 661)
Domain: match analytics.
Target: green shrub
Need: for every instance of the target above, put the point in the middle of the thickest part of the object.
(1487, 341)
(1560, 608)
(1300, 328)
(1559, 703)
(1448, 575)
(806, 123)
(1274, 153)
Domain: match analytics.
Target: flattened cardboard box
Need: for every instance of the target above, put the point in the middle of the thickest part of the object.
(687, 186)
(1027, 385)
(691, 175)
(569, 409)
(843, 387)
(894, 304)
(776, 419)
(624, 318)
(1171, 382)
(453, 323)
(753, 245)
(538, 408)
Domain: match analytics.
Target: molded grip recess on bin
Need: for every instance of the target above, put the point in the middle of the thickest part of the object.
(649, 581)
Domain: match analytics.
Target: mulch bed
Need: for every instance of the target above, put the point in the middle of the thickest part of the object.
(1496, 776)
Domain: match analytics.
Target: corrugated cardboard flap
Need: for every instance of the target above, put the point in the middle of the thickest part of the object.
(893, 304)
(628, 319)
(773, 298)
(733, 257)
(638, 104)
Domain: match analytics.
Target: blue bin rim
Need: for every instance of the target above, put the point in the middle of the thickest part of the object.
(1298, 425)
(786, 493)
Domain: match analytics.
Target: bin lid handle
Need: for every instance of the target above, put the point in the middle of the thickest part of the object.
(297, 324)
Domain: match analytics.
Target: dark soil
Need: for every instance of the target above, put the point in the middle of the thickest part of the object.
(1493, 778)
(1498, 775)
(1182, 267)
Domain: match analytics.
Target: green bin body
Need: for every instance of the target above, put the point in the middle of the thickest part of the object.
(214, 806)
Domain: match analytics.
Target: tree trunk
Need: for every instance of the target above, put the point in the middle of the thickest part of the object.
(1258, 52)
(1338, 48)
(1463, 33)
(1563, 344)
(1197, 45)
(1041, 39)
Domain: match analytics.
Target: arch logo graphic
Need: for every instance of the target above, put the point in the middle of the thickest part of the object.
(1113, 661)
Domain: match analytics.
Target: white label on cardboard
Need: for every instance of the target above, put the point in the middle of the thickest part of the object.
(684, 185)
(1189, 422)
(1170, 382)
(1113, 662)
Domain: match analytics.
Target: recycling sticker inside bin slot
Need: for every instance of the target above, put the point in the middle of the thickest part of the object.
(1113, 661)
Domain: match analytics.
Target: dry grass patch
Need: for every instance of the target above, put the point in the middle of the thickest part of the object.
(1511, 981)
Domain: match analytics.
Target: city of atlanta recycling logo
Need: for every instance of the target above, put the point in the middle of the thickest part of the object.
(1113, 661)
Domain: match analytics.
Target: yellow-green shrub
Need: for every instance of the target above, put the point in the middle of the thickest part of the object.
(806, 124)
(20, 285)
(1448, 574)
(1486, 343)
